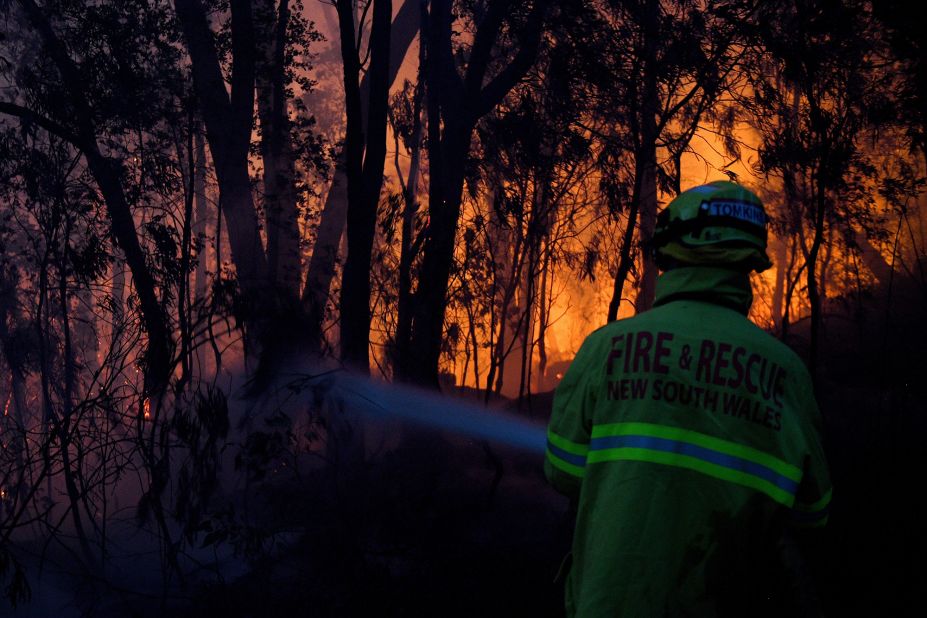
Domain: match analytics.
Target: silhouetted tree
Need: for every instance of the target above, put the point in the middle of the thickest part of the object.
(365, 156)
(455, 103)
(321, 268)
(664, 64)
(829, 57)
(88, 103)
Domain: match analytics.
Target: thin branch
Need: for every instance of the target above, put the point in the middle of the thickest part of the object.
(48, 124)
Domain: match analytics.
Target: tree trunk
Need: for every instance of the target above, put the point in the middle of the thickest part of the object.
(824, 276)
(322, 262)
(625, 259)
(784, 258)
(201, 223)
(543, 318)
(527, 334)
(781, 245)
(321, 269)
(365, 157)
(63, 425)
(646, 157)
(509, 331)
(820, 207)
(184, 318)
(16, 359)
(280, 208)
(228, 118)
(87, 333)
(408, 247)
(447, 157)
(648, 220)
(455, 104)
(872, 258)
(118, 294)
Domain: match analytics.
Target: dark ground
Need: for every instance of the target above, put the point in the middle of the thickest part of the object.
(420, 533)
(871, 560)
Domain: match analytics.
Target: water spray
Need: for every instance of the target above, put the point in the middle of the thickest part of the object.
(378, 399)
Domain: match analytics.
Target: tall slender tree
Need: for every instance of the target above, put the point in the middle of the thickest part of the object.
(365, 156)
(455, 103)
(229, 118)
(320, 271)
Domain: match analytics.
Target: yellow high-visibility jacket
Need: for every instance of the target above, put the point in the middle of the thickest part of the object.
(689, 436)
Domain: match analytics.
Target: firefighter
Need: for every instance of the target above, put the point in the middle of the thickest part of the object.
(687, 436)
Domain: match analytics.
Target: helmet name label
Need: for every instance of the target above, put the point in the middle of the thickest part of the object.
(735, 209)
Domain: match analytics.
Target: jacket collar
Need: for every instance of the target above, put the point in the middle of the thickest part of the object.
(720, 286)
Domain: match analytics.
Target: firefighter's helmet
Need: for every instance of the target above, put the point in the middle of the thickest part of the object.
(718, 224)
